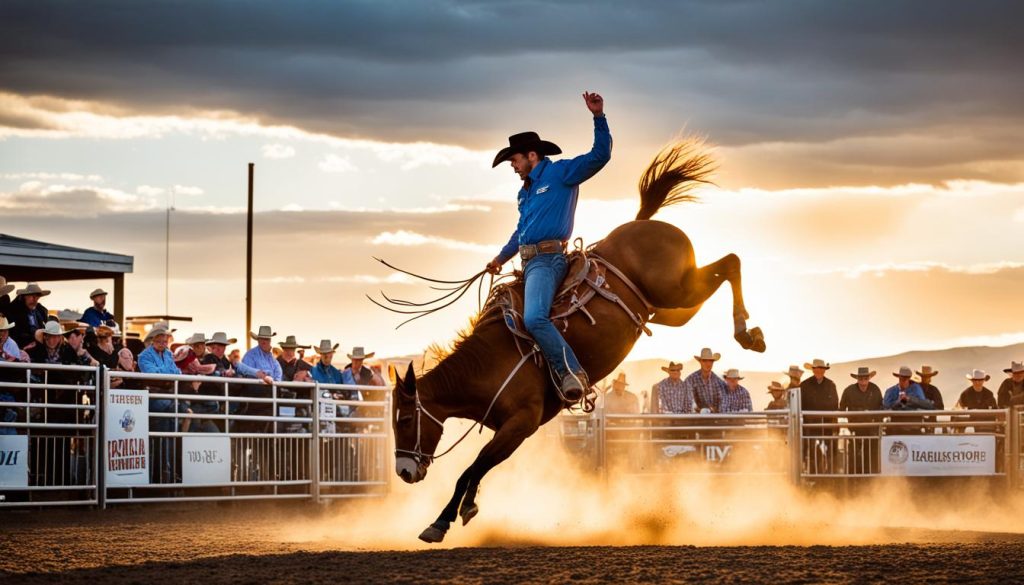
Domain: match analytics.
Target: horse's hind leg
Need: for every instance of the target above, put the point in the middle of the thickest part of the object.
(698, 284)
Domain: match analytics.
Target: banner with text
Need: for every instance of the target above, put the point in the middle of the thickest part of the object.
(205, 460)
(938, 455)
(127, 437)
(14, 460)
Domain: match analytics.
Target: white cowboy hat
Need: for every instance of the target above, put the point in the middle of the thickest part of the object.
(32, 288)
(51, 328)
(265, 332)
(1015, 367)
(359, 353)
(154, 331)
(97, 293)
(672, 367)
(4, 287)
(326, 347)
(776, 387)
(705, 354)
(904, 372)
(817, 363)
(220, 338)
(978, 375)
(733, 373)
(927, 371)
(68, 315)
(863, 371)
(5, 324)
(196, 338)
(290, 343)
(621, 378)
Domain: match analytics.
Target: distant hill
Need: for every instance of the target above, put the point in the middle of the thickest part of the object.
(953, 364)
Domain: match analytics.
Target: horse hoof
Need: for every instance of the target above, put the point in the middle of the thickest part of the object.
(468, 513)
(758, 336)
(432, 534)
(745, 339)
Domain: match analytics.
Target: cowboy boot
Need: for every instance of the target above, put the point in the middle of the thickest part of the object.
(573, 387)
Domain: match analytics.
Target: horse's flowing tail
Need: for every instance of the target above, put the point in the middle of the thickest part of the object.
(673, 174)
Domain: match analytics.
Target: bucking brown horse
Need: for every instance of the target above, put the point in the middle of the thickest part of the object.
(656, 278)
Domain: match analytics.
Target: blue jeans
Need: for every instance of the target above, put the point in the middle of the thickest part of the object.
(544, 273)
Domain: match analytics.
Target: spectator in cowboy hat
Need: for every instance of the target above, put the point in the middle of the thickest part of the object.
(293, 367)
(796, 374)
(977, 396)
(196, 342)
(818, 393)
(9, 350)
(671, 395)
(106, 349)
(97, 313)
(925, 375)
(780, 399)
(5, 295)
(905, 394)
(1011, 391)
(358, 374)
(862, 394)
(261, 358)
(735, 398)
(618, 400)
(27, 314)
(324, 372)
(705, 386)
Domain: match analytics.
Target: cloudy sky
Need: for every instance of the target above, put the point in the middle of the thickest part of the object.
(871, 155)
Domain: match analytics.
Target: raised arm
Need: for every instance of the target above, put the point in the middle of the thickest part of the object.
(581, 168)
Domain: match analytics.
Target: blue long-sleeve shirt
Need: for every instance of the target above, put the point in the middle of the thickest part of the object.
(257, 359)
(547, 205)
(915, 396)
(153, 362)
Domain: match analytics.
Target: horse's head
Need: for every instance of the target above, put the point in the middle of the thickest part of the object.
(417, 431)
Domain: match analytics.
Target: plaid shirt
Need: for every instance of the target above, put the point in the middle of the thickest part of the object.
(708, 394)
(737, 400)
(674, 397)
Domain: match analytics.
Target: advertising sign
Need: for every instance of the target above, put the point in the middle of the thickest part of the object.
(14, 460)
(127, 437)
(205, 460)
(938, 455)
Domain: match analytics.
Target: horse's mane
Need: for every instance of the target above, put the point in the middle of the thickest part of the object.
(673, 174)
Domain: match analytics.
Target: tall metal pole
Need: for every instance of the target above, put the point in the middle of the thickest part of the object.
(248, 267)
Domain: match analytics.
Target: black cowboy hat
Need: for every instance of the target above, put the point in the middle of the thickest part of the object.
(525, 142)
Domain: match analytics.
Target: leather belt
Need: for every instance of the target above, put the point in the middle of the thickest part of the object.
(546, 247)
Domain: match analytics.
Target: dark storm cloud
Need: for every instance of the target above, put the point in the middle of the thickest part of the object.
(447, 71)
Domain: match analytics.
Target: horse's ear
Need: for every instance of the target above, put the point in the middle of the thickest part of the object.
(409, 383)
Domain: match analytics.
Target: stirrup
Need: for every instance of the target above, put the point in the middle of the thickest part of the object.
(580, 379)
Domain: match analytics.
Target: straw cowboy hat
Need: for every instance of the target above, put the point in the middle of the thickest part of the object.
(621, 378)
(196, 338)
(220, 338)
(32, 288)
(97, 293)
(817, 363)
(326, 347)
(795, 372)
(705, 354)
(5, 324)
(904, 372)
(1015, 367)
(51, 328)
(978, 375)
(71, 319)
(265, 332)
(290, 343)
(776, 387)
(155, 331)
(733, 373)
(4, 287)
(672, 367)
(523, 143)
(358, 353)
(863, 371)
(927, 371)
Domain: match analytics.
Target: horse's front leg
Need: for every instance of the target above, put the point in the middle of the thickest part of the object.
(506, 440)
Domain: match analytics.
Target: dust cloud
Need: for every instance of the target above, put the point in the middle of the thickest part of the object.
(546, 495)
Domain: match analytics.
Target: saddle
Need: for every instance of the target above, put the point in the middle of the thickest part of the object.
(586, 279)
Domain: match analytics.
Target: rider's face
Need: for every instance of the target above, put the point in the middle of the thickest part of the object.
(522, 164)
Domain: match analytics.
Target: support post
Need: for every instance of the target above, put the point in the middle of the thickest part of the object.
(794, 437)
(248, 266)
(119, 311)
(314, 448)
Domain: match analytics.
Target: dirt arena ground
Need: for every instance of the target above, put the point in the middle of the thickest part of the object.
(248, 543)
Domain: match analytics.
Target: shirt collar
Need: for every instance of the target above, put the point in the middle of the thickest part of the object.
(539, 169)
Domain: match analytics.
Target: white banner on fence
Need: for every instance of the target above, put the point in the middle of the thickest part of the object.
(939, 455)
(205, 460)
(127, 437)
(14, 460)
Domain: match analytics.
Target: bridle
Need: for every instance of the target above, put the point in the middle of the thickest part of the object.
(417, 454)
